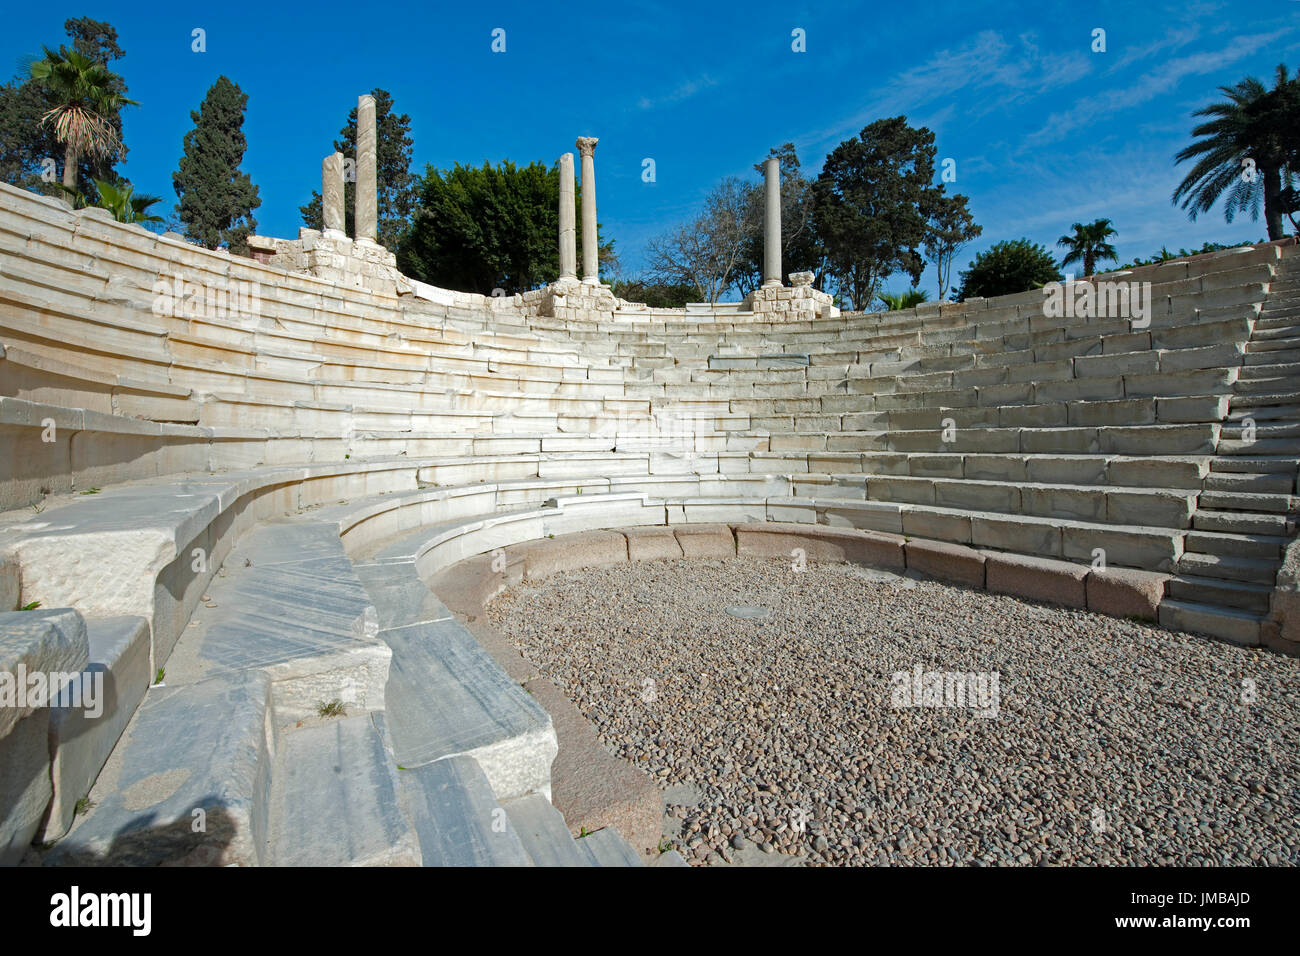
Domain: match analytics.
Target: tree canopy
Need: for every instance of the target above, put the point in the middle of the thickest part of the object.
(1009, 267)
(397, 186)
(873, 199)
(217, 199)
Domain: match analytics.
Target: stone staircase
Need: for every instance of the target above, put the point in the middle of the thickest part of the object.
(431, 755)
(1246, 513)
(403, 437)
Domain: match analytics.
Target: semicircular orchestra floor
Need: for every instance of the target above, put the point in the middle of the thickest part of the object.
(878, 719)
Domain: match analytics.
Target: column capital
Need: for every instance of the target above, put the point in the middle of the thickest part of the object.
(587, 145)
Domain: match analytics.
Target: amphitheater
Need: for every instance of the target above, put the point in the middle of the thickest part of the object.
(237, 516)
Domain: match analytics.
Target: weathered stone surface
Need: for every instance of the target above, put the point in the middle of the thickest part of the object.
(652, 544)
(367, 195)
(820, 543)
(947, 562)
(457, 818)
(1284, 605)
(81, 738)
(332, 194)
(336, 800)
(1038, 579)
(706, 540)
(568, 229)
(10, 584)
(608, 848)
(566, 552)
(447, 696)
(590, 242)
(772, 222)
(590, 786)
(37, 649)
(542, 831)
(1126, 592)
(191, 751)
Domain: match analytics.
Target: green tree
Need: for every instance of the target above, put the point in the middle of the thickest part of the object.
(216, 199)
(871, 204)
(26, 143)
(483, 228)
(85, 99)
(1087, 244)
(800, 249)
(949, 229)
(397, 187)
(905, 300)
(1241, 153)
(1007, 268)
(117, 198)
(656, 295)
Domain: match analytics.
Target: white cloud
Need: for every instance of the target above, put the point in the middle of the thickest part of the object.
(1101, 106)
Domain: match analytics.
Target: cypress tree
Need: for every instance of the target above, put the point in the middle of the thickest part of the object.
(216, 199)
(397, 188)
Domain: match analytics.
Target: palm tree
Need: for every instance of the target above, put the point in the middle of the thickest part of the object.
(123, 205)
(1241, 153)
(1088, 244)
(86, 96)
(906, 300)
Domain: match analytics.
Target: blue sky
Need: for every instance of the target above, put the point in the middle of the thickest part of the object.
(1045, 132)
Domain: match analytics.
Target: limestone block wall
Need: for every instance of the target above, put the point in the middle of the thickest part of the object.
(342, 261)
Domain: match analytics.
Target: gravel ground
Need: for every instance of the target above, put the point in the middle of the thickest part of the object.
(1113, 742)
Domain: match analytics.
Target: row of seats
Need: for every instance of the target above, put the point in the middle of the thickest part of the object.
(197, 474)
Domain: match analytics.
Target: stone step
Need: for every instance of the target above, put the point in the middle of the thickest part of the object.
(543, 832)
(1268, 333)
(1281, 369)
(1230, 624)
(1267, 547)
(447, 696)
(1236, 430)
(1276, 318)
(1219, 592)
(1260, 446)
(1102, 504)
(1282, 343)
(40, 641)
(457, 818)
(334, 799)
(81, 742)
(1246, 501)
(1282, 484)
(194, 755)
(1239, 522)
(1274, 464)
(1274, 385)
(606, 847)
(1279, 413)
(1271, 357)
(1271, 398)
(1252, 570)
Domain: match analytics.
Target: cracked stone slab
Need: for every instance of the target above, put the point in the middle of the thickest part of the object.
(447, 696)
(457, 818)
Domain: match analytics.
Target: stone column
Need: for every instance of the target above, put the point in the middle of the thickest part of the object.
(331, 195)
(772, 223)
(367, 199)
(568, 229)
(590, 241)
